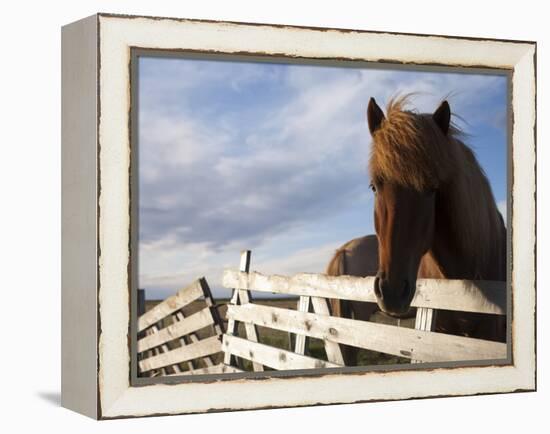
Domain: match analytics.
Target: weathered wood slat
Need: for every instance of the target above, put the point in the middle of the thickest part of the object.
(164, 349)
(172, 304)
(202, 348)
(231, 324)
(154, 352)
(334, 353)
(184, 340)
(403, 342)
(459, 295)
(300, 341)
(425, 320)
(242, 296)
(190, 324)
(192, 338)
(271, 356)
(216, 369)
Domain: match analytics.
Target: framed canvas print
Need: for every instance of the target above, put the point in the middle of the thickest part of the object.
(261, 216)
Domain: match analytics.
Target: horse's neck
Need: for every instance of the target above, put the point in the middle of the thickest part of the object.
(430, 267)
(444, 262)
(448, 257)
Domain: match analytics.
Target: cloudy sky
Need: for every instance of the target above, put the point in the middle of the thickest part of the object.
(273, 158)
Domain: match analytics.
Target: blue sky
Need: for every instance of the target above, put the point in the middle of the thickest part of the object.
(273, 158)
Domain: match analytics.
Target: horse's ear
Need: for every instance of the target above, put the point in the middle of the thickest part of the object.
(442, 117)
(375, 116)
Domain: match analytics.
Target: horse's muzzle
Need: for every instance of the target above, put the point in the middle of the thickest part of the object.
(394, 298)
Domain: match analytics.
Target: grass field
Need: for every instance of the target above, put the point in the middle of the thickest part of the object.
(284, 340)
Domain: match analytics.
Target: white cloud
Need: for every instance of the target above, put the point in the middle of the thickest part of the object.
(307, 260)
(172, 266)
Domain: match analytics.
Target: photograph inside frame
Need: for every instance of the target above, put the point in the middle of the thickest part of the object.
(298, 216)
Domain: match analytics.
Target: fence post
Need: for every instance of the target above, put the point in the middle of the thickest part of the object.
(141, 311)
(334, 353)
(425, 321)
(242, 296)
(141, 302)
(300, 340)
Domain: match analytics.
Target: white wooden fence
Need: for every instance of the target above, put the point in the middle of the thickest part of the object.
(419, 344)
(168, 342)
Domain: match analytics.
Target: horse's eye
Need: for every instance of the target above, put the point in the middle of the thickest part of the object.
(372, 187)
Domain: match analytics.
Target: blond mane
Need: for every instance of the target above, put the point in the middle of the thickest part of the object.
(407, 149)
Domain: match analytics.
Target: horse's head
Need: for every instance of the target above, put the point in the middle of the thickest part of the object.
(407, 166)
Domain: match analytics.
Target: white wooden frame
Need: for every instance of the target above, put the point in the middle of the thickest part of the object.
(96, 218)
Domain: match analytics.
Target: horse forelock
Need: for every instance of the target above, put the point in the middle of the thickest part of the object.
(409, 149)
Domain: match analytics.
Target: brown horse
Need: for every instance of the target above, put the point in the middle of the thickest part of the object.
(358, 257)
(435, 214)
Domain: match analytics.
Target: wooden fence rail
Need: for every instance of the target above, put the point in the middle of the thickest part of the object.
(420, 344)
(403, 342)
(171, 343)
(461, 295)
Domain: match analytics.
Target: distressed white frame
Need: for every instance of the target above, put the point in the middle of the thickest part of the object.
(115, 396)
